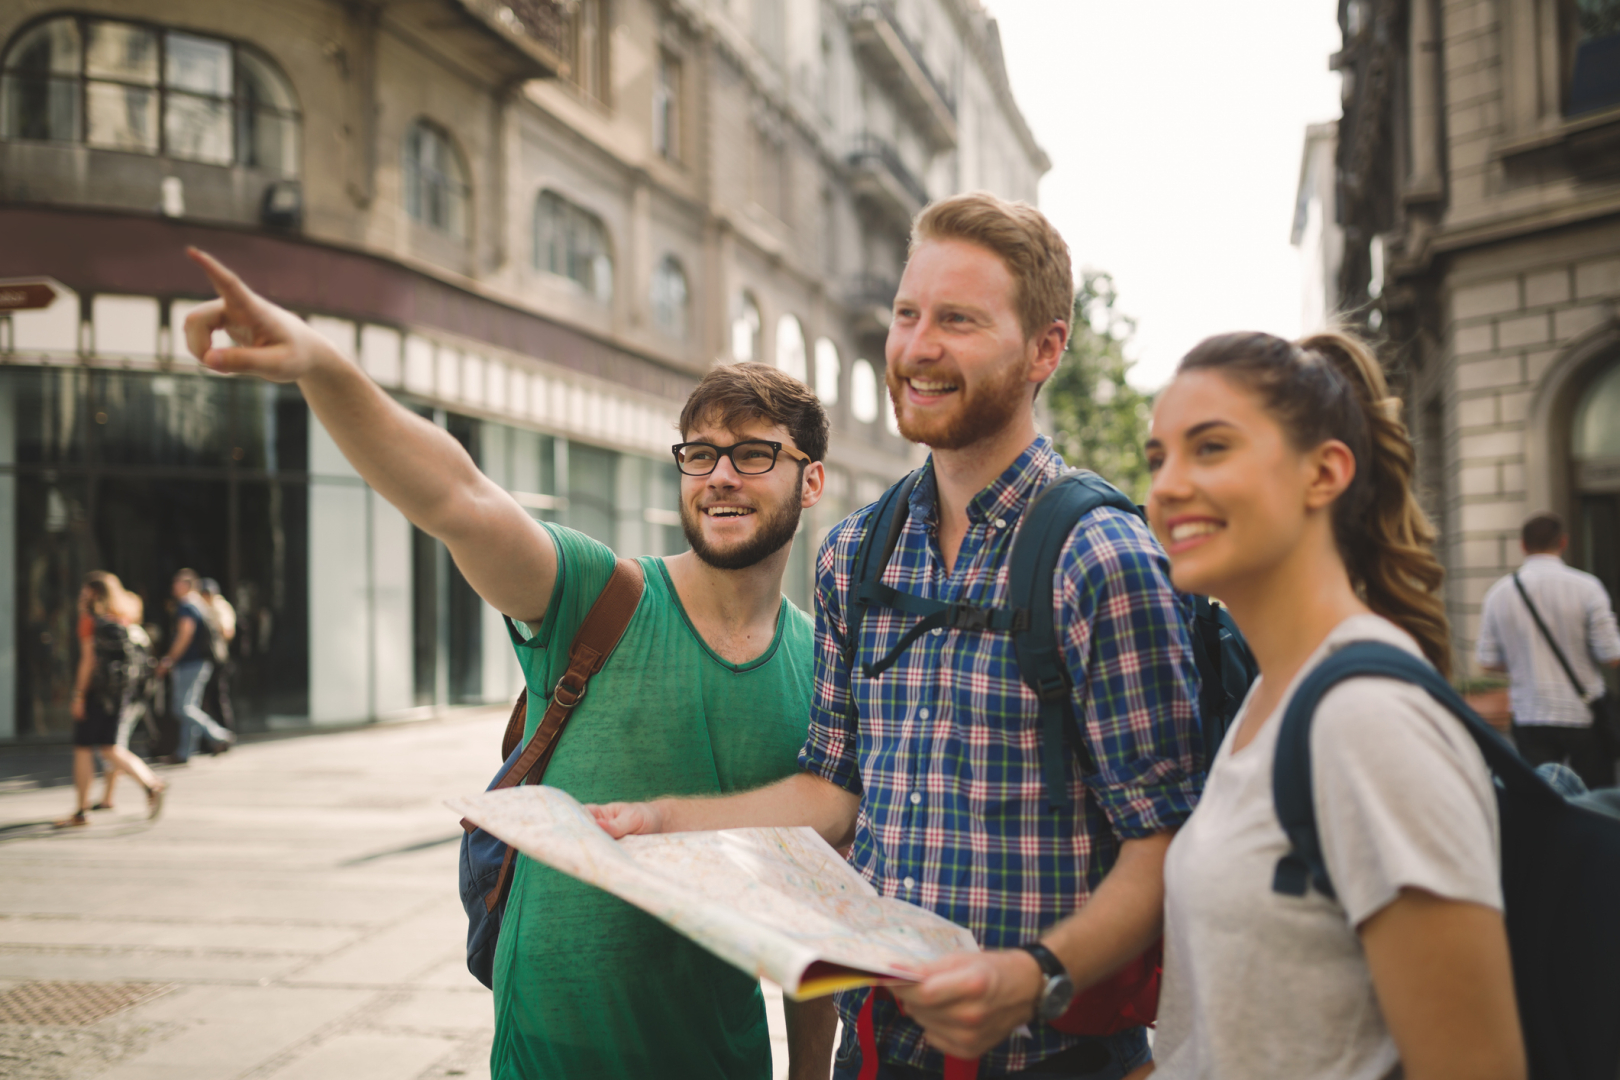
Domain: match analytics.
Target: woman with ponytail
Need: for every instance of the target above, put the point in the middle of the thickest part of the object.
(1282, 483)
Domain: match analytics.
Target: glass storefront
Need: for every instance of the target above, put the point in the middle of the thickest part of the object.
(142, 473)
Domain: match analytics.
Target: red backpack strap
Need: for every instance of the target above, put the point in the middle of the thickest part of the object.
(866, 1035)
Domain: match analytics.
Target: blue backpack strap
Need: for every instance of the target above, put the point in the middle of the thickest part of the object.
(1292, 789)
(1038, 642)
(883, 527)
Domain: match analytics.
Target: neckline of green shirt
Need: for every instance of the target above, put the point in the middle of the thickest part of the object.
(675, 599)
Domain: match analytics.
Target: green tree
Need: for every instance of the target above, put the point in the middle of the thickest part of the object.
(1100, 420)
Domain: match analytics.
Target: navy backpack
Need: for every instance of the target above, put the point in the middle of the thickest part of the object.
(1560, 871)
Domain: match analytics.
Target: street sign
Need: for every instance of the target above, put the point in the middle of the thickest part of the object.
(26, 294)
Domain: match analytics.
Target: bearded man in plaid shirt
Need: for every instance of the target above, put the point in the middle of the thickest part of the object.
(935, 775)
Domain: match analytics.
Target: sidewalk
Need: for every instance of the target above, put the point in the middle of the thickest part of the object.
(293, 915)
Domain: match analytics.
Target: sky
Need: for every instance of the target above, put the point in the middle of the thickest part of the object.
(1175, 130)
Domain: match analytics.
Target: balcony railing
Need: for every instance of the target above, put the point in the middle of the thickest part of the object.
(537, 28)
(879, 37)
(878, 173)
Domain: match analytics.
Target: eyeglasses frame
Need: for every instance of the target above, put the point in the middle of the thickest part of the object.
(725, 451)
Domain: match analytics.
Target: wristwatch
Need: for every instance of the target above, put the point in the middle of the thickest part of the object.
(1058, 989)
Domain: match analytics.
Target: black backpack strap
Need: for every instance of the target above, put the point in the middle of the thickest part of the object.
(887, 520)
(1037, 643)
(867, 590)
(1292, 789)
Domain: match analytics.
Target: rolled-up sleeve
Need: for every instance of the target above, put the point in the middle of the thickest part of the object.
(1135, 682)
(831, 747)
(1602, 634)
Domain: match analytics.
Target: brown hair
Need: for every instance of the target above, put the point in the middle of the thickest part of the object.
(1330, 386)
(188, 575)
(1541, 533)
(1035, 254)
(736, 394)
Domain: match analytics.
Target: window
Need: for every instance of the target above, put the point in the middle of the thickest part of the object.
(667, 108)
(587, 43)
(790, 347)
(1595, 79)
(125, 86)
(571, 242)
(669, 293)
(769, 172)
(746, 325)
(435, 182)
(827, 371)
(863, 391)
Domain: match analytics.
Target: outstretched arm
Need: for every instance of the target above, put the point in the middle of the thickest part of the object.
(416, 465)
(801, 799)
(811, 1026)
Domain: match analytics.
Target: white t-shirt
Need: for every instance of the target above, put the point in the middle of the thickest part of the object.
(1258, 984)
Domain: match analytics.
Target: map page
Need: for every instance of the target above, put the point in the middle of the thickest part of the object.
(777, 903)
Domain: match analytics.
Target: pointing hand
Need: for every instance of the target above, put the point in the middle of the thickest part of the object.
(269, 341)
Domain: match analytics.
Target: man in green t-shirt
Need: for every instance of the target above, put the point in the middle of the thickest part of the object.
(708, 692)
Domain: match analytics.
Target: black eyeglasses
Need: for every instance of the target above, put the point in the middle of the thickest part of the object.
(750, 457)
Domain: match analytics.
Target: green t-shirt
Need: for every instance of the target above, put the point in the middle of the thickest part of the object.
(587, 986)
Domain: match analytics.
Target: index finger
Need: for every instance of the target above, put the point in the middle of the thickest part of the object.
(224, 280)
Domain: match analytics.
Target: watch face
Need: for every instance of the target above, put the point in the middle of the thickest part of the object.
(1055, 998)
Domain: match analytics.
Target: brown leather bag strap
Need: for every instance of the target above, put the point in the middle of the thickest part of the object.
(514, 724)
(594, 642)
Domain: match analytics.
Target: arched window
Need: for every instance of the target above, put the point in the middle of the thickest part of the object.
(863, 391)
(790, 347)
(1597, 419)
(746, 324)
(126, 86)
(572, 242)
(827, 371)
(668, 297)
(436, 190)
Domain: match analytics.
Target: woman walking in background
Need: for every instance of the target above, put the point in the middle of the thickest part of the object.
(1282, 483)
(110, 665)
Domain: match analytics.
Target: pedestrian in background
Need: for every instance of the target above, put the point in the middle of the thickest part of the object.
(1553, 669)
(217, 697)
(190, 659)
(130, 611)
(109, 665)
(1282, 483)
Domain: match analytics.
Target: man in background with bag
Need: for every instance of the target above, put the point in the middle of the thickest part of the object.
(707, 691)
(935, 769)
(1550, 626)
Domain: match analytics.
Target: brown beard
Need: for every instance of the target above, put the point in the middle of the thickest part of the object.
(776, 529)
(981, 413)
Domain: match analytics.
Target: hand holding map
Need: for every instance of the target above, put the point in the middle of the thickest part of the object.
(776, 902)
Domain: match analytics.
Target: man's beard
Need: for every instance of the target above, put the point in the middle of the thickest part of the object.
(776, 529)
(979, 414)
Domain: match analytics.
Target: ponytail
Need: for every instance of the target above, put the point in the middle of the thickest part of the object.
(1330, 386)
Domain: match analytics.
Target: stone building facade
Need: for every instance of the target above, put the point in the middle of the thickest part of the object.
(1479, 194)
(538, 223)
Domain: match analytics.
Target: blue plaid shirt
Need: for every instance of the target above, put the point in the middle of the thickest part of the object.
(947, 753)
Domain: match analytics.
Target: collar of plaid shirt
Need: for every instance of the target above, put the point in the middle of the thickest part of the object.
(946, 753)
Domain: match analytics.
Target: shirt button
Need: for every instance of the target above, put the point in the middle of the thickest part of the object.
(916, 797)
(910, 883)
(938, 630)
(922, 714)
(1001, 523)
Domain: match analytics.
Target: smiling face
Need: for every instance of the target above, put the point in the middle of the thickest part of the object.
(734, 521)
(959, 366)
(1231, 496)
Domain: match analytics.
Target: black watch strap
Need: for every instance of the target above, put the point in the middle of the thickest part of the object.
(1051, 966)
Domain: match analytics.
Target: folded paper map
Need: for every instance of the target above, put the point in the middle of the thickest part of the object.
(778, 903)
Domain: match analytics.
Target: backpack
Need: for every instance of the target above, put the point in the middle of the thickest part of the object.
(121, 665)
(1225, 665)
(485, 867)
(1560, 871)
